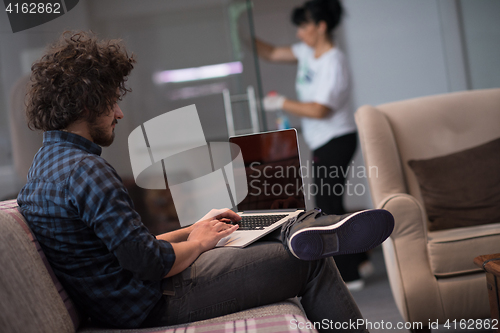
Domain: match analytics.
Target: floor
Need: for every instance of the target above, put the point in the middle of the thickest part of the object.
(378, 307)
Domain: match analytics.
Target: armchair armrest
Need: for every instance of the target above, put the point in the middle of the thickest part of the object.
(409, 215)
(407, 261)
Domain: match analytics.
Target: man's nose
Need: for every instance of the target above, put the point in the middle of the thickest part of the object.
(118, 112)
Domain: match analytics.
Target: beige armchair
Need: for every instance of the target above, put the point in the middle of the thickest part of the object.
(432, 274)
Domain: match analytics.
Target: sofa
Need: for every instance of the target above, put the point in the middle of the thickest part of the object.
(33, 300)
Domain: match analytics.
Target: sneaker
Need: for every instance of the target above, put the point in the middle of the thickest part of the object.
(314, 235)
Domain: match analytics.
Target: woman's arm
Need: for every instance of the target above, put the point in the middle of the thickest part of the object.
(312, 110)
(274, 53)
(273, 102)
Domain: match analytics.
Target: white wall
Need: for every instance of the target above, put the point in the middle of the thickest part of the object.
(395, 48)
(481, 27)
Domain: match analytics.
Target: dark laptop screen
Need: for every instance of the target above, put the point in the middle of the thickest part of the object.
(272, 166)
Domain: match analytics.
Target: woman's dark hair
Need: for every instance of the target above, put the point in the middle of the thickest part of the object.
(80, 77)
(330, 11)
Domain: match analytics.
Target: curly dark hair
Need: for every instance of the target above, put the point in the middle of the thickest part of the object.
(80, 77)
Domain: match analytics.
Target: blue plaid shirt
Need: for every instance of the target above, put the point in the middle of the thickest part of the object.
(84, 219)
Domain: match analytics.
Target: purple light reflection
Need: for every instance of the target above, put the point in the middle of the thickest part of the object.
(198, 73)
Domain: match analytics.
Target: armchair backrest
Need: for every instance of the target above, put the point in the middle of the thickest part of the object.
(423, 128)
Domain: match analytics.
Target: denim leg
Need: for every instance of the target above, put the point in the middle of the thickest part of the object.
(227, 280)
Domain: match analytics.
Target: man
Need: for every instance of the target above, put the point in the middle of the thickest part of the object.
(112, 267)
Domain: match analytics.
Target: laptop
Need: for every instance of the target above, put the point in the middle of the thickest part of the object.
(275, 185)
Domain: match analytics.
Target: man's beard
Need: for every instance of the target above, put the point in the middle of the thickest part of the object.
(100, 136)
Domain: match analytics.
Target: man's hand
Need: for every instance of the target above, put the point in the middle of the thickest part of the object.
(208, 233)
(203, 236)
(217, 214)
(181, 235)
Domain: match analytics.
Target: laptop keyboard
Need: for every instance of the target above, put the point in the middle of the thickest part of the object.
(258, 222)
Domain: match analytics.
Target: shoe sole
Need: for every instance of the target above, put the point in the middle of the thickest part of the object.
(356, 233)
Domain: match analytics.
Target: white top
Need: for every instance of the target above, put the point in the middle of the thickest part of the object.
(325, 80)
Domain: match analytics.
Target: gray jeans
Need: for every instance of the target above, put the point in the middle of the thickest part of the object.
(227, 280)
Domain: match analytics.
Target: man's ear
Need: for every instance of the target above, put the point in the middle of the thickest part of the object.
(85, 114)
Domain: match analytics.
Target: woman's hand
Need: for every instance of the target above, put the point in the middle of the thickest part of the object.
(273, 102)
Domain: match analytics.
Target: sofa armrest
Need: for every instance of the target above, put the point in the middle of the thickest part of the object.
(31, 297)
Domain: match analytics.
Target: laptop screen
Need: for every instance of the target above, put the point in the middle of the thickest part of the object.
(272, 166)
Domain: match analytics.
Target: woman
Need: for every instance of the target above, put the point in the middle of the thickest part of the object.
(323, 89)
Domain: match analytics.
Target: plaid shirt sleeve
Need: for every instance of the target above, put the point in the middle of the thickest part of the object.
(103, 203)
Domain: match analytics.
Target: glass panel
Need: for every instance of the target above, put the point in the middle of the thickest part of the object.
(188, 52)
(194, 40)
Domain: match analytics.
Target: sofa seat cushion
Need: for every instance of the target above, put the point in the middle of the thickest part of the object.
(452, 252)
(244, 321)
